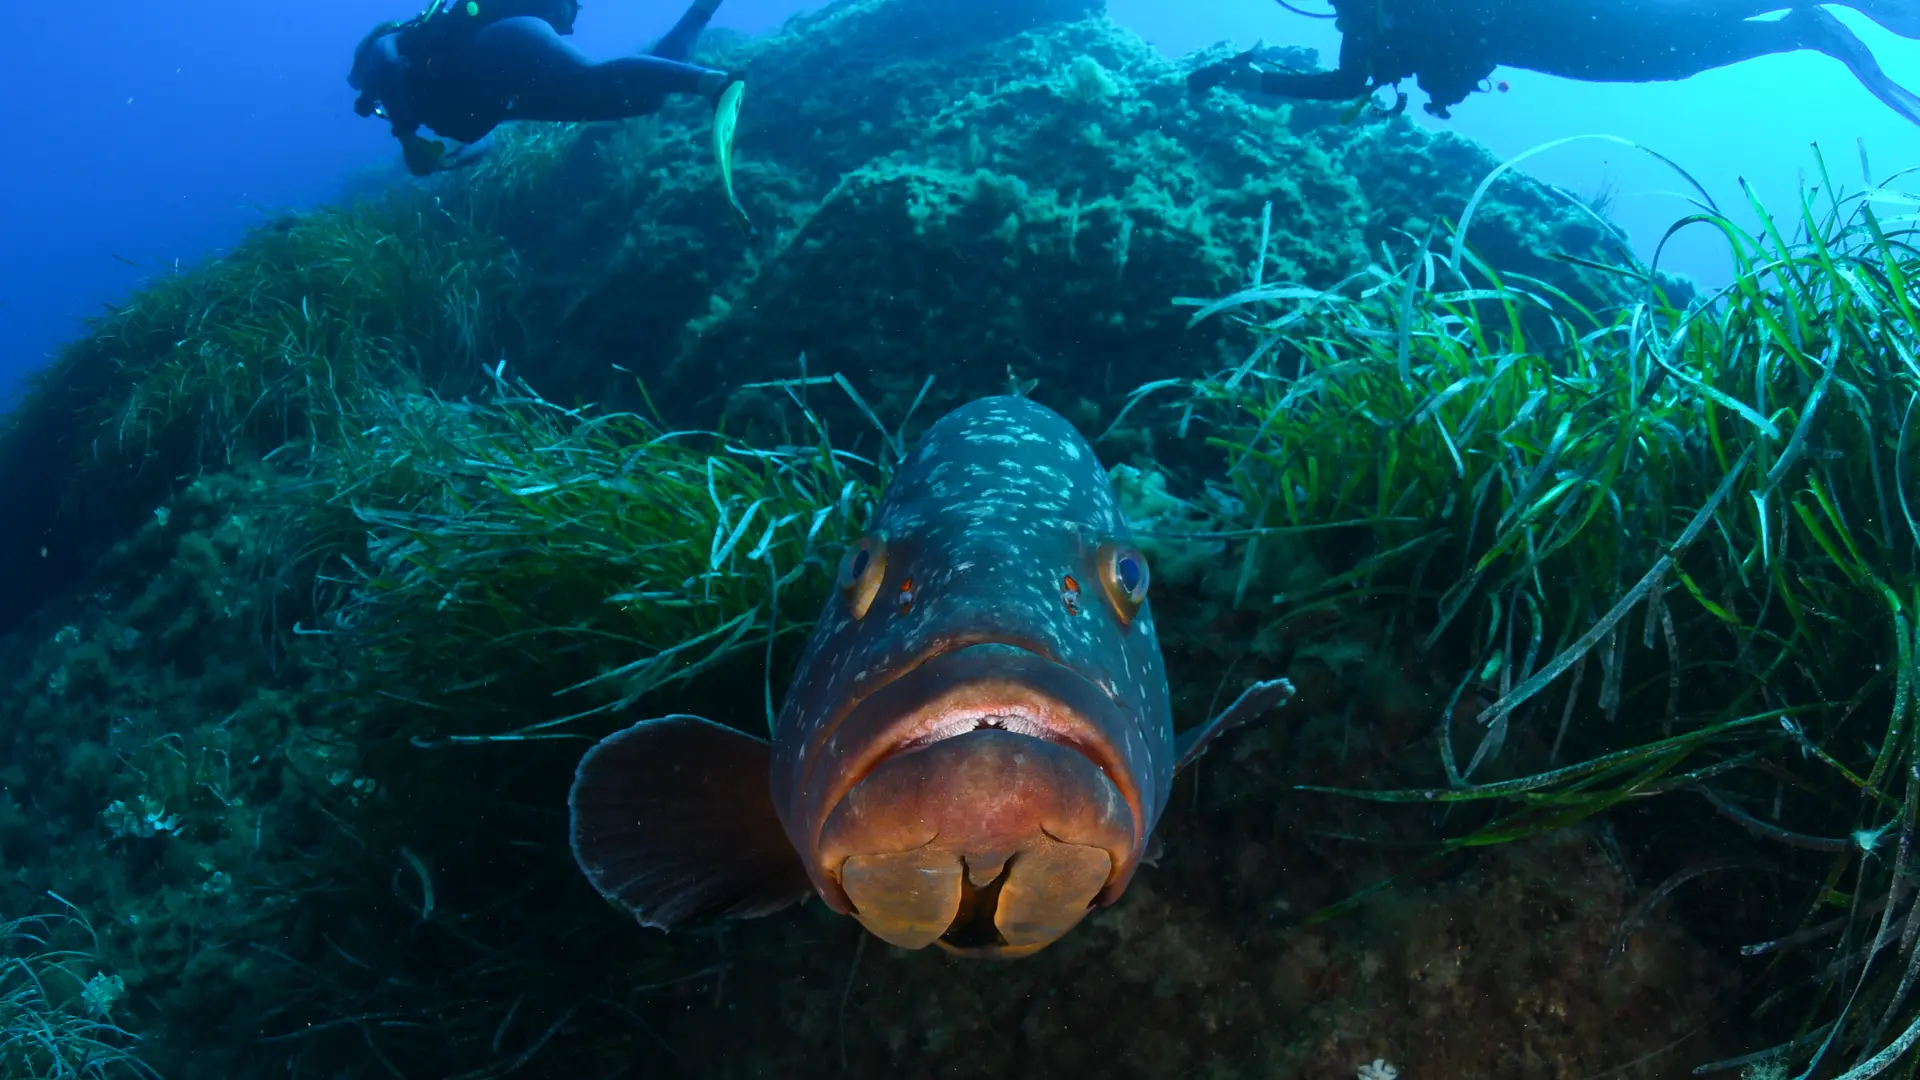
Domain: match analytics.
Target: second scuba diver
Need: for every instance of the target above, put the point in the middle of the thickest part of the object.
(1452, 46)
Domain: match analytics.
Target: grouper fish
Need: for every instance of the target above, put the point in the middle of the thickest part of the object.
(978, 740)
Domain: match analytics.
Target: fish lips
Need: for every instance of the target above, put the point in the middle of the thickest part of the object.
(981, 800)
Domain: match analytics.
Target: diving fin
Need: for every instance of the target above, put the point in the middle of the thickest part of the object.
(673, 820)
(1831, 36)
(726, 119)
(1254, 700)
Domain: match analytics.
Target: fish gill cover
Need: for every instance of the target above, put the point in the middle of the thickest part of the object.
(1601, 600)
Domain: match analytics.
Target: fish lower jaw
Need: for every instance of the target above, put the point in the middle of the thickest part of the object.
(991, 842)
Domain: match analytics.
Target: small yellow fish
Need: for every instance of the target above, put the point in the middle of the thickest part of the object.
(726, 118)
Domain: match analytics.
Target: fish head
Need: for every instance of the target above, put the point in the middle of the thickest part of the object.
(978, 741)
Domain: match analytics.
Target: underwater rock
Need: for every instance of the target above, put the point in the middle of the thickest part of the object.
(1028, 200)
(930, 27)
(158, 740)
(974, 276)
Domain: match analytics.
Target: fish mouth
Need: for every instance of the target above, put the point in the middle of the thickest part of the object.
(1020, 718)
(983, 804)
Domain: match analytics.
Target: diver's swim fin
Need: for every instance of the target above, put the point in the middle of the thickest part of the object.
(1895, 16)
(1844, 45)
(673, 820)
(726, 118)
(1254, 700)
(1223, 72)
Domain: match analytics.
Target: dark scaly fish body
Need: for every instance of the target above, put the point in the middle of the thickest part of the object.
(989, 675)
(978, 741)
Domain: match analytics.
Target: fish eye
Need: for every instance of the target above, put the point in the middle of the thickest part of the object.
(1124, 578)
(861, 569)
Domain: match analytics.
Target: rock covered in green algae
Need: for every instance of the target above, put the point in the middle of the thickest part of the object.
(959, 197)
(162, 768)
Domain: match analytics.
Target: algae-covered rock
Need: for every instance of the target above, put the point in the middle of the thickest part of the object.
(968, 198)
(160, 731)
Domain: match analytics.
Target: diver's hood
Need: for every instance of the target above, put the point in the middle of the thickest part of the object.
(983, 799)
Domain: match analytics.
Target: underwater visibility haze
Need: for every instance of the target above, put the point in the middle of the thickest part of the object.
(938, 538)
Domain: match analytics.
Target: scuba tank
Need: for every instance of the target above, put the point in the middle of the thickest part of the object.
(447, 22)
(477, 13)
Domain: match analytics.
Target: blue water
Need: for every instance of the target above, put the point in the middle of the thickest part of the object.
(155, 133)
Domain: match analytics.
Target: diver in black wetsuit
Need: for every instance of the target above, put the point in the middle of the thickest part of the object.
(461, 69)
(1451, 46)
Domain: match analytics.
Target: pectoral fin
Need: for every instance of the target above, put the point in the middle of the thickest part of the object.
(1255, 700)
(1156, 850)
(673, 820)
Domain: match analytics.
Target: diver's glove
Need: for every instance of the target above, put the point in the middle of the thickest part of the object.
(1238, 73)
(713, 84)
(423, 156)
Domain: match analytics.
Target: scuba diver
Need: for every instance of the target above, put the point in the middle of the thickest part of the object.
(1452, 46)
(462, 68)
